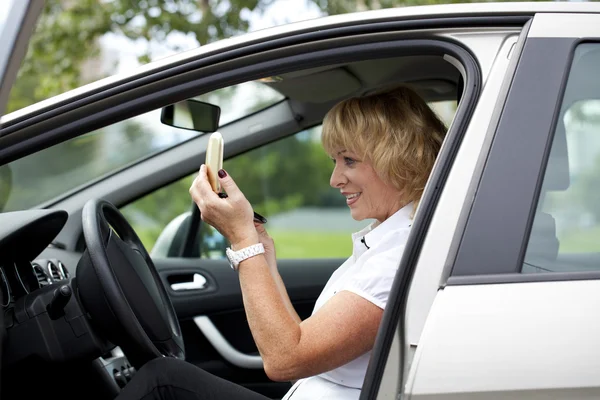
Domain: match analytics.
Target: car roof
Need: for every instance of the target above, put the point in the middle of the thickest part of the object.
(364, 17)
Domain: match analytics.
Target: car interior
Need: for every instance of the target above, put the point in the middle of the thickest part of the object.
(77, 324)
(543, 250)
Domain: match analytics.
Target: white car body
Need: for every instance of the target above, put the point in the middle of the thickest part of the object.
(480, 334)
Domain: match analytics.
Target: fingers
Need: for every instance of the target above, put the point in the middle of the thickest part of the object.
(201, 188)
(228, 184)
(260, 228)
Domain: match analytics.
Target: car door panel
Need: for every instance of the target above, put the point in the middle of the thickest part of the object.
(304, 281)
(213, 321)
(501, 326)
(16, 26)
(504, 341)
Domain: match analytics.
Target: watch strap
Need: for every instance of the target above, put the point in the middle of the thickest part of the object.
(236, 257)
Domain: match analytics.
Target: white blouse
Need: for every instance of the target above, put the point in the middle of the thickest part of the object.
(369, 273)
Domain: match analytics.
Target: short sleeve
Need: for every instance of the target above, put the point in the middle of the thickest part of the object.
(373, 281)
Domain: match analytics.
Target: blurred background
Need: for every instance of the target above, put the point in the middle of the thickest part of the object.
(81, 41)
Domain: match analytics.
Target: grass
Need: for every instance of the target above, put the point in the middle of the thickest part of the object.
(319, 244)
(581, 241)
(289, 244)
(307, 244)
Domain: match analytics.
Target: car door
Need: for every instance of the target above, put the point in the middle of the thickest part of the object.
(17, 20)
(212, 293)
(312, 239)
(513, 312)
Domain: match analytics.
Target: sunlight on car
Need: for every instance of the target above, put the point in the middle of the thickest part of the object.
(4, 12)
(241, 100)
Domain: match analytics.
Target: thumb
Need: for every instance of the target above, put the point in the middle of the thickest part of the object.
(228, 184)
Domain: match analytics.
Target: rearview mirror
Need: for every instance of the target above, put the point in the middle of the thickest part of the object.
(192, 114)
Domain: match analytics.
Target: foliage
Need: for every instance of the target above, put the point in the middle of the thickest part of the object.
(68, 32)
(283, 175)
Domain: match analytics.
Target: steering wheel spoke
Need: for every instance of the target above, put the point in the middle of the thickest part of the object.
(121, 289)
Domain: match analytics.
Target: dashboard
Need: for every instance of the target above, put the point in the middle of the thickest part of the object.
(21, 277)
(24, 235)
(42, 316)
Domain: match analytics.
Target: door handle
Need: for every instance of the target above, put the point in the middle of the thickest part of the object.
(198, 282)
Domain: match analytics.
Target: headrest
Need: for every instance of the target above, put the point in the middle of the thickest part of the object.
(582, 85)
(557, 172)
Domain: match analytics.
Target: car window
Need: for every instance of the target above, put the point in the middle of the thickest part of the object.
(565, 235)
(84, 159)
(287, 181)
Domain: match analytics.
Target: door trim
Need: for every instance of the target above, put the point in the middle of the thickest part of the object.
(224, 348)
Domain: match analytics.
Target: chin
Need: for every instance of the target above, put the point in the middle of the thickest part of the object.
(357, 216)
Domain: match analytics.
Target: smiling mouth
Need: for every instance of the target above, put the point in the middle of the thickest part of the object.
(352, 198)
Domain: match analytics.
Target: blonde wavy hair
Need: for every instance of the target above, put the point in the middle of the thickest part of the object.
(394, 130)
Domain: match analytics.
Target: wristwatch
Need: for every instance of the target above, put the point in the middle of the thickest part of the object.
(236, 257)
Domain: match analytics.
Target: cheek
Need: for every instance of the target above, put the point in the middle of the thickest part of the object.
(378, 193)
(366, 178)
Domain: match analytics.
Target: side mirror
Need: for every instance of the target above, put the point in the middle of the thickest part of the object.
(193, 115)
(210, 243)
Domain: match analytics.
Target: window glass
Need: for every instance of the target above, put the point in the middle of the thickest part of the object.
(53, 172)
(565, 235)
(287, 181)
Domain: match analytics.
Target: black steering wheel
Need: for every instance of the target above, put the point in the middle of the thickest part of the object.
(121, 289)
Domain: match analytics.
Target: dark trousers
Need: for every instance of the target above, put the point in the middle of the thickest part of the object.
(172, 379)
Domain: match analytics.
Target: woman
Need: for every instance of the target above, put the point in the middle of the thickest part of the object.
(383, 147)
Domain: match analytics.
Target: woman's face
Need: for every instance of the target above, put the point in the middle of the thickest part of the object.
(366, 194)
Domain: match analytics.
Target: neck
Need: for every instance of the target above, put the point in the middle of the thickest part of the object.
(393, 211)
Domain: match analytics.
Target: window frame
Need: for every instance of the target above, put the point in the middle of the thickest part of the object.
(380, 48)
(496, 255)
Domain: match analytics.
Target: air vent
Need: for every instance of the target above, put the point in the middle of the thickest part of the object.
(63, 270)
(54, 271)
(41, 275)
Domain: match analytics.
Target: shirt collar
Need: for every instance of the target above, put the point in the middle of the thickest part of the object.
(373, 233)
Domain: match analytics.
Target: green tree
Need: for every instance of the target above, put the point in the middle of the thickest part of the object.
(68, 33)
(284, 175)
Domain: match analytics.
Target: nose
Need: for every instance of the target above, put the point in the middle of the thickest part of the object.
(337, 179)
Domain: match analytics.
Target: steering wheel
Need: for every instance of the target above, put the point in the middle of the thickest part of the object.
(121, 289)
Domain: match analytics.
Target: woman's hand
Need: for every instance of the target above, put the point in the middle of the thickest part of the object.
(231, 216)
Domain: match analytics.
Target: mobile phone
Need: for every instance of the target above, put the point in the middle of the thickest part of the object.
(214, 162)
(214, 159)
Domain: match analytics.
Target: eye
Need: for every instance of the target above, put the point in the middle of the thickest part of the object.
(349, 161)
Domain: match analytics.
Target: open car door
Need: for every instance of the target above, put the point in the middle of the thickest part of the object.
(17, 20)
